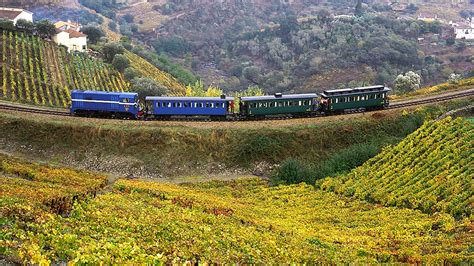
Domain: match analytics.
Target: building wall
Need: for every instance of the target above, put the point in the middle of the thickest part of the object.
(24, 15)
(467, 34)
(78, 44)
(62, 38)
(73, 44)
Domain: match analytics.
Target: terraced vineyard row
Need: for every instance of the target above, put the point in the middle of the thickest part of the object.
(431, 170)
(40, 72)
(31, 187)
(242, 222)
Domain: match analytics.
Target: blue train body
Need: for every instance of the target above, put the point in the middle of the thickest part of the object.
(189, 106)
(108, 104)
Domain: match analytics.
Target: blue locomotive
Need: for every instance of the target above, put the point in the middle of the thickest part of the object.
(105, 104)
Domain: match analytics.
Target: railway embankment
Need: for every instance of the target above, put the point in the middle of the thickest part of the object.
(155, 149)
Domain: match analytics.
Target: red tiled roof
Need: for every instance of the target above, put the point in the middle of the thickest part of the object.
(75, 34)
(9, 14)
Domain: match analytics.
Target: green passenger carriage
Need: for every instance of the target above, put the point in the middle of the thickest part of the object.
(278, 104)
(356, 99)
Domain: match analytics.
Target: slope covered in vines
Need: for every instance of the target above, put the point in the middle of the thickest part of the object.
(431, 170)
(43, 73)
(243, 222)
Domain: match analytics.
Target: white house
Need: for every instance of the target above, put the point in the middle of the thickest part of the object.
(73, 40)
(15, 14)
(465, 31)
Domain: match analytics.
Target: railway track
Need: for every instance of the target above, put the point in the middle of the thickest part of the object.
(434, 99)
(394, 105)
(27, 109)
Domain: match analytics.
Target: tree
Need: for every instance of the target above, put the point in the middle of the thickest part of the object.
(120, 62)
(454, 78)
(128, 18)
(6, 24)
(411, 8)
(25, 25)
(409, 82)
(45, 28)
(112, 26)
(93, 33)
(450, 41)
(130, 73)
(147, 87)
(111, 49)
(358, 8)
(252, 73)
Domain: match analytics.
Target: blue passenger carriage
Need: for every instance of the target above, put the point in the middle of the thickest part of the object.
(166, 107)
(105, 104)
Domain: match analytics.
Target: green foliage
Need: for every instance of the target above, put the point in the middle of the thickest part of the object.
(6, 24)
(45, 28)
(25, 25)
(173, 45)
(120, 62)
(409, 82)
(358, 8)
(129, 18)
(105, 7)
(130, 73)
(147, 87)
(293, 171)
(111, 49)
(93, 33)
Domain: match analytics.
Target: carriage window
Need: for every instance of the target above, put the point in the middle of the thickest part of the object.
(362, 98)
(383, 95)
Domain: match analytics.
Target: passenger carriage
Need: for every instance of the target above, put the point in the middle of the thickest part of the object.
(167, 107)
(356, 99)
(105, 104)
(279, 104)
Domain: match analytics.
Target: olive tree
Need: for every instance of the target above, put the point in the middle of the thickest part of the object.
(147, 87)
(410, 81)
(120, 62)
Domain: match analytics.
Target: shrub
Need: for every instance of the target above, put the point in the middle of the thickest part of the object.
(111, 49)
(147, 87)
(292, 171)
(120, 62)
(130, 73)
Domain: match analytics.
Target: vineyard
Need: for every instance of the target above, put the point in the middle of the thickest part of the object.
(146, 69)
(42, 73)
(242, 221)
(431, 170)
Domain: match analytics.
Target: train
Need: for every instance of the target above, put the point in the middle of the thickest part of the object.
(126, 105)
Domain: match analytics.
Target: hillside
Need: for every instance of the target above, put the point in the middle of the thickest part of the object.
(299, 46)
(430, 170)
(243, 221)
(40, 72)
(147, 69)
